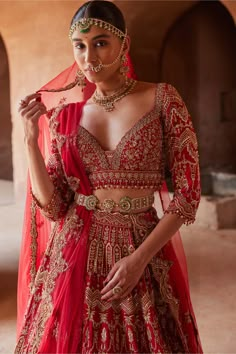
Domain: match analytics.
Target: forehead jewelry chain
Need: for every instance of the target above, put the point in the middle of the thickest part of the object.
(84, 25)
(108, 102)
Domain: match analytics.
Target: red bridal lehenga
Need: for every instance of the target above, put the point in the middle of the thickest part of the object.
(60, 277)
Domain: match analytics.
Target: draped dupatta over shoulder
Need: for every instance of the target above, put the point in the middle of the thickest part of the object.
(54, 253)
(54, 312)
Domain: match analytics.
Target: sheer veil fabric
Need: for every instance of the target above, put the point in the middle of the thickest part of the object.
(37, 229)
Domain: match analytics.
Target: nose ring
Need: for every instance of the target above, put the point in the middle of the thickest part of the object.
(96, 68)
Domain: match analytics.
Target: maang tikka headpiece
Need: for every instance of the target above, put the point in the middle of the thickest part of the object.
(84, 25)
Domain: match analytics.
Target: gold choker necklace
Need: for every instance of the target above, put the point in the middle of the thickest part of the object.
(107, 102)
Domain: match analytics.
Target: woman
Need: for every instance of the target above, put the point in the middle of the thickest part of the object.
(111, 278)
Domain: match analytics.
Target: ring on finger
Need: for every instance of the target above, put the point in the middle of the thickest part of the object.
(117, 290)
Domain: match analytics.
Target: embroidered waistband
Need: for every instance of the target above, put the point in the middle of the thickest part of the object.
(125, 205)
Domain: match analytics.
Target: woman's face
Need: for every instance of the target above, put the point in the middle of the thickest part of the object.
(98, 46)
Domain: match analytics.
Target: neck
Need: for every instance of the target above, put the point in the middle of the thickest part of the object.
(107, 88)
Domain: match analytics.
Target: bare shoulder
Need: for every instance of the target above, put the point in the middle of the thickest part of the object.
(164, 90)
(144, 92)
(145, 87)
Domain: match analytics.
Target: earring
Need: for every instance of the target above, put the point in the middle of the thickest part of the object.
(124, 69)
(80, 79)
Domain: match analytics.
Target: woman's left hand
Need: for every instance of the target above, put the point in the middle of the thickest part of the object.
(123, 277)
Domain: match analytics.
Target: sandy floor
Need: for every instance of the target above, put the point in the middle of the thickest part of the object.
(211, 259)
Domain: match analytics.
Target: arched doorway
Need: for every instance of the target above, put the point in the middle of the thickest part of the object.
(6, 170)
(198, 57)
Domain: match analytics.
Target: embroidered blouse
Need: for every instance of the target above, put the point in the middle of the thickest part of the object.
(164, 136)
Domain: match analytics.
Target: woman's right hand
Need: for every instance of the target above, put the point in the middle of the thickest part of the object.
(31, 108)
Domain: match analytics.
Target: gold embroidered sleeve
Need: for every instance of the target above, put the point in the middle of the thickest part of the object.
(63, 195)
(181, 152)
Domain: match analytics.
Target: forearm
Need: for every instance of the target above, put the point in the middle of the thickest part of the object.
(165, 229)
(42, 186)
(31, 109)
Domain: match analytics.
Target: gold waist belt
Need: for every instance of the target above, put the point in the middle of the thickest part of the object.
(125, 205)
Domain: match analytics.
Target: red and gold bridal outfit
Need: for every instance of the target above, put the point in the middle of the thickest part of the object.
(65, 313)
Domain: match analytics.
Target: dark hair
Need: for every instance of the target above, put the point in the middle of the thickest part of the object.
(102, 10)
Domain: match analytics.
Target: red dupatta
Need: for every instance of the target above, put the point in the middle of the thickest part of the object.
(68, 309)
(37, 229)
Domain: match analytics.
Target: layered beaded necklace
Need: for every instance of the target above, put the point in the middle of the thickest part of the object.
(108, 102)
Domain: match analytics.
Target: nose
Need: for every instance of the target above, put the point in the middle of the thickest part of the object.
(90, 55)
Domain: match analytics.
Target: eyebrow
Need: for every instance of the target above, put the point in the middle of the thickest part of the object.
(94, 38)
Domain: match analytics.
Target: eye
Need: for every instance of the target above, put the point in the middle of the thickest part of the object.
(101, 43)
(79, 45)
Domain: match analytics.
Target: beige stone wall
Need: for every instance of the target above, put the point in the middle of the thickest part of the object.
(35, 35)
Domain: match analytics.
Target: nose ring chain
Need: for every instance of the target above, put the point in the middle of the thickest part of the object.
(97, 68)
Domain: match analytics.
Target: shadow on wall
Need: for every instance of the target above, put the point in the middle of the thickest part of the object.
(6, 169)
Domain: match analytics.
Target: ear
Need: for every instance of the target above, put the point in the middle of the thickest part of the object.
(127, 45)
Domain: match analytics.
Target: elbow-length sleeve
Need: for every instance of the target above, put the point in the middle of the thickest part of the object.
(63, 195)
(181, 153)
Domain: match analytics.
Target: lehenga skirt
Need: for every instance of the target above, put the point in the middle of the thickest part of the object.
(151, 319)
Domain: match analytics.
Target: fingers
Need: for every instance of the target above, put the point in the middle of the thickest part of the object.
(34, 113)
(32, 106)
(121, 280)
(29, 98)
(25, 102)
(111, 273)
(38, 99)
(114, 292)
(115, 286)
(109, 286)
(118, 292)
(26, 109)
